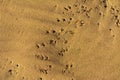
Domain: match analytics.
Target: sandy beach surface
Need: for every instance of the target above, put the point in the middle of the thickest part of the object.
(59, 39)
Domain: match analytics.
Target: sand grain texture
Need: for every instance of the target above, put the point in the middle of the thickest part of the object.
(59, 40)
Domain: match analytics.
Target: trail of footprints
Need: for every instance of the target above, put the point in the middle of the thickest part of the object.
(10, 69)
(58, 38)
(115, 13)
(71, 11)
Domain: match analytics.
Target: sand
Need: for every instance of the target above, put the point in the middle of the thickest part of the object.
(59, 39)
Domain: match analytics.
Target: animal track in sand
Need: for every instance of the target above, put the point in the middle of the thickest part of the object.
(59, 40)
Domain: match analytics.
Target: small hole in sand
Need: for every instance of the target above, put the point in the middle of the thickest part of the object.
(69, 7)
(17, 65)
(63, 19)
(37, 45)
(65, 8)
(53, 31)
(60, 54)
(71, 65)
(105, 6)
(47, 32)
(40, 78)
(43, 44)
(10, 71)
(70, 18)
(46, 58)
(66, 42)
(58, 20)
(75, 5)
(110, 29)
(52, 42)
(50, 66)
(113, 35)
(62, 29)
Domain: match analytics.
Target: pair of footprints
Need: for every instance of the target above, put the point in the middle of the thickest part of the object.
(41, 57)
(67, 68)
(45, 71)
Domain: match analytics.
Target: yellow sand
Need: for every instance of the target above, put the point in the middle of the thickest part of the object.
(59, 39)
